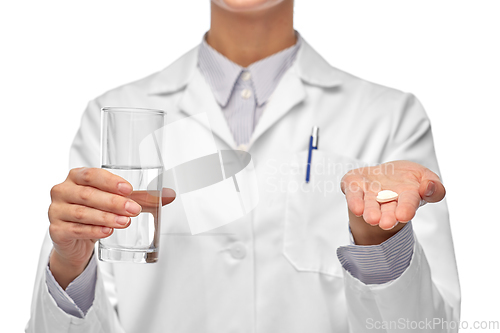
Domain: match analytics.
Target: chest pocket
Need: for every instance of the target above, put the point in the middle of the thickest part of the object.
(316, 219)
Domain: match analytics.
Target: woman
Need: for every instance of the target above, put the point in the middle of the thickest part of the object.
(290, 265)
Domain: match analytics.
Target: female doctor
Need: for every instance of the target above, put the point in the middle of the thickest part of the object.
(307, 258)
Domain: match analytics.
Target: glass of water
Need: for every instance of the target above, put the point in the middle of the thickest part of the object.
(131, 145)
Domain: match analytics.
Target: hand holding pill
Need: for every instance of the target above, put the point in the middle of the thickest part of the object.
(391, 192)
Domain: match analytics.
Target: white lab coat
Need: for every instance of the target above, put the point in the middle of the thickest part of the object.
(276, 269)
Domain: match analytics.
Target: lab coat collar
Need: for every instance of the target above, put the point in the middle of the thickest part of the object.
(314, 70)
(309, 68)
(309, 65)
(176, 76)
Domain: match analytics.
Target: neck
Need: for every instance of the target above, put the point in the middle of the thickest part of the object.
(247, 37)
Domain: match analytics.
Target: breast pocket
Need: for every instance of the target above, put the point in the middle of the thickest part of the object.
(316, 219)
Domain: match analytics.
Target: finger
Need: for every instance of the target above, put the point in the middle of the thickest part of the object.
(100, 179)
(372, 212)
(87, 215)
(354, 197)
(167, 196)
(64, 230)
(388, 217)
(95, 198)
(408, 203)
(349, 178)
(151, 199)
(86, 231)
(431, 189)
(147, 199)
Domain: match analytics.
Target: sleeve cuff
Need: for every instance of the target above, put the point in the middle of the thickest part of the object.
(78, 297)
(378, 264)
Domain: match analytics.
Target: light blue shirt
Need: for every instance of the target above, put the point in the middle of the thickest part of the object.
(242, 94)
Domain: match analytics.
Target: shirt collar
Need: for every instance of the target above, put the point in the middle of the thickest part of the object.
(222, 74)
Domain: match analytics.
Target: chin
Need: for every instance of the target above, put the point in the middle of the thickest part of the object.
(246, 5)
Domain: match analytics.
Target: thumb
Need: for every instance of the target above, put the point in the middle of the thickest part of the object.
(432, 190)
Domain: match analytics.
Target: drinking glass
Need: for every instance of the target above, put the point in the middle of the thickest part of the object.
(131, 145)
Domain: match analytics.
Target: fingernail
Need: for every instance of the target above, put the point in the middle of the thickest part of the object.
(106, 230)
(124, 188)
(122, 220)
(431, 187)
(393, 226)
(132, 207)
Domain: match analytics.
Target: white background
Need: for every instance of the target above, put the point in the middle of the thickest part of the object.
(57, 55)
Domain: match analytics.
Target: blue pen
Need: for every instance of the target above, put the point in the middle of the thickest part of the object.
(313, 144)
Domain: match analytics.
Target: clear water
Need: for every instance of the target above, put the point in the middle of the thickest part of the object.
(141, 238)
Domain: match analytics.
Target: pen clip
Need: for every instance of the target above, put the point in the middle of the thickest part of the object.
(315, 137)
(313, 144)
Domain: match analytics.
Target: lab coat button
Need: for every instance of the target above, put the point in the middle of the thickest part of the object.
(238, 251)
(246, 93)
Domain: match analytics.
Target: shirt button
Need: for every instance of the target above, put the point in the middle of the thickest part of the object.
(238, 251)
(245, 76)
(246, 93)
(242, 147)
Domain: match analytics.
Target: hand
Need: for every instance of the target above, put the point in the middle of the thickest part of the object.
(411, 181)
(86, 207)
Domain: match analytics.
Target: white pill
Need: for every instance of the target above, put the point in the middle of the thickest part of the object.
(386, 196)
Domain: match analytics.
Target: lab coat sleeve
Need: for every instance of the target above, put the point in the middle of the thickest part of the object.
(427, 294)
(78, 297)
(46, 316)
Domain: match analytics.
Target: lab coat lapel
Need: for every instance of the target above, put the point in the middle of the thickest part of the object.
(184, 77)
(289, 92)
(309, 68)
(198, 98)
